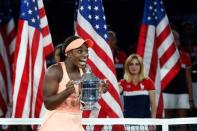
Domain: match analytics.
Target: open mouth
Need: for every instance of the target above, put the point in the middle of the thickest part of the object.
(82, 61)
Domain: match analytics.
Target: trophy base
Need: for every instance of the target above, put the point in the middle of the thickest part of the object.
(89, 106)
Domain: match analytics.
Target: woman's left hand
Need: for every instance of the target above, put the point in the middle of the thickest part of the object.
(103, 86)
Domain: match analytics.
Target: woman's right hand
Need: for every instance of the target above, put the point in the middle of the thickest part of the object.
(70, 89)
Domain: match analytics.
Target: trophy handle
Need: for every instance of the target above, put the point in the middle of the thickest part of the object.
(77, 82)
(103, 90)
(77, 85)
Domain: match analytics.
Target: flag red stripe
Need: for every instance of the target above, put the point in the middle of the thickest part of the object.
(102, 114)
(160, 106)
(12, 59)
(35, 46)
(39, 97)
(42, 12)
(107, 108)
(164, 34)
(23, 87)
(48, 49)
(154, 62)
(45, 31)
(142, 40)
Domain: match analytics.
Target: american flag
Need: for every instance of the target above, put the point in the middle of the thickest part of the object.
(33, 44)
(7, 45)
(157, 47)
(91, 23)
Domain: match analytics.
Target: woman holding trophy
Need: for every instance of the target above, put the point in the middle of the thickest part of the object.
(62, 87)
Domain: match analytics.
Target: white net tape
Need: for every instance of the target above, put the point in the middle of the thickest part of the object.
(164, 123)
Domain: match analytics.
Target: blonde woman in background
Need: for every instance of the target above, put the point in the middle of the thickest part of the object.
(138, 90)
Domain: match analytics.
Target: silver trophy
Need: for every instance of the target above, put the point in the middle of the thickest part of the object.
(89, 90)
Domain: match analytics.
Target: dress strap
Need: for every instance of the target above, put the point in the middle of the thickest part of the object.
(81, 71)
(65, 74)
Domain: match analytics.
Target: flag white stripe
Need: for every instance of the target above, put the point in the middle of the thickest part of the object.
(162, 25)
(149, 48)
(40, 4)
(26, 109)
(47, 40)
(44, 22)
(12, 46)
(31, 31)
(136, 93)
(112, 103)
(42, 111)
(10, 26)
(2, 89)
(157, 84)
(37, 73)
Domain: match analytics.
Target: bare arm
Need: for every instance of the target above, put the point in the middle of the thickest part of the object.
(120, 88)
(189, 84)
(52, 99)
(152, 103)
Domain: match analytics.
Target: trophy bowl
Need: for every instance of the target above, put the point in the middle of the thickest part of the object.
(89, 95)
(89, 91)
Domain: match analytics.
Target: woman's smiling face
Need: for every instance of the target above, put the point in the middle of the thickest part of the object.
(134, 66)
(79, 56)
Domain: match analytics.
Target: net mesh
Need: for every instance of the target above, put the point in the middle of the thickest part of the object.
(182, 127)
